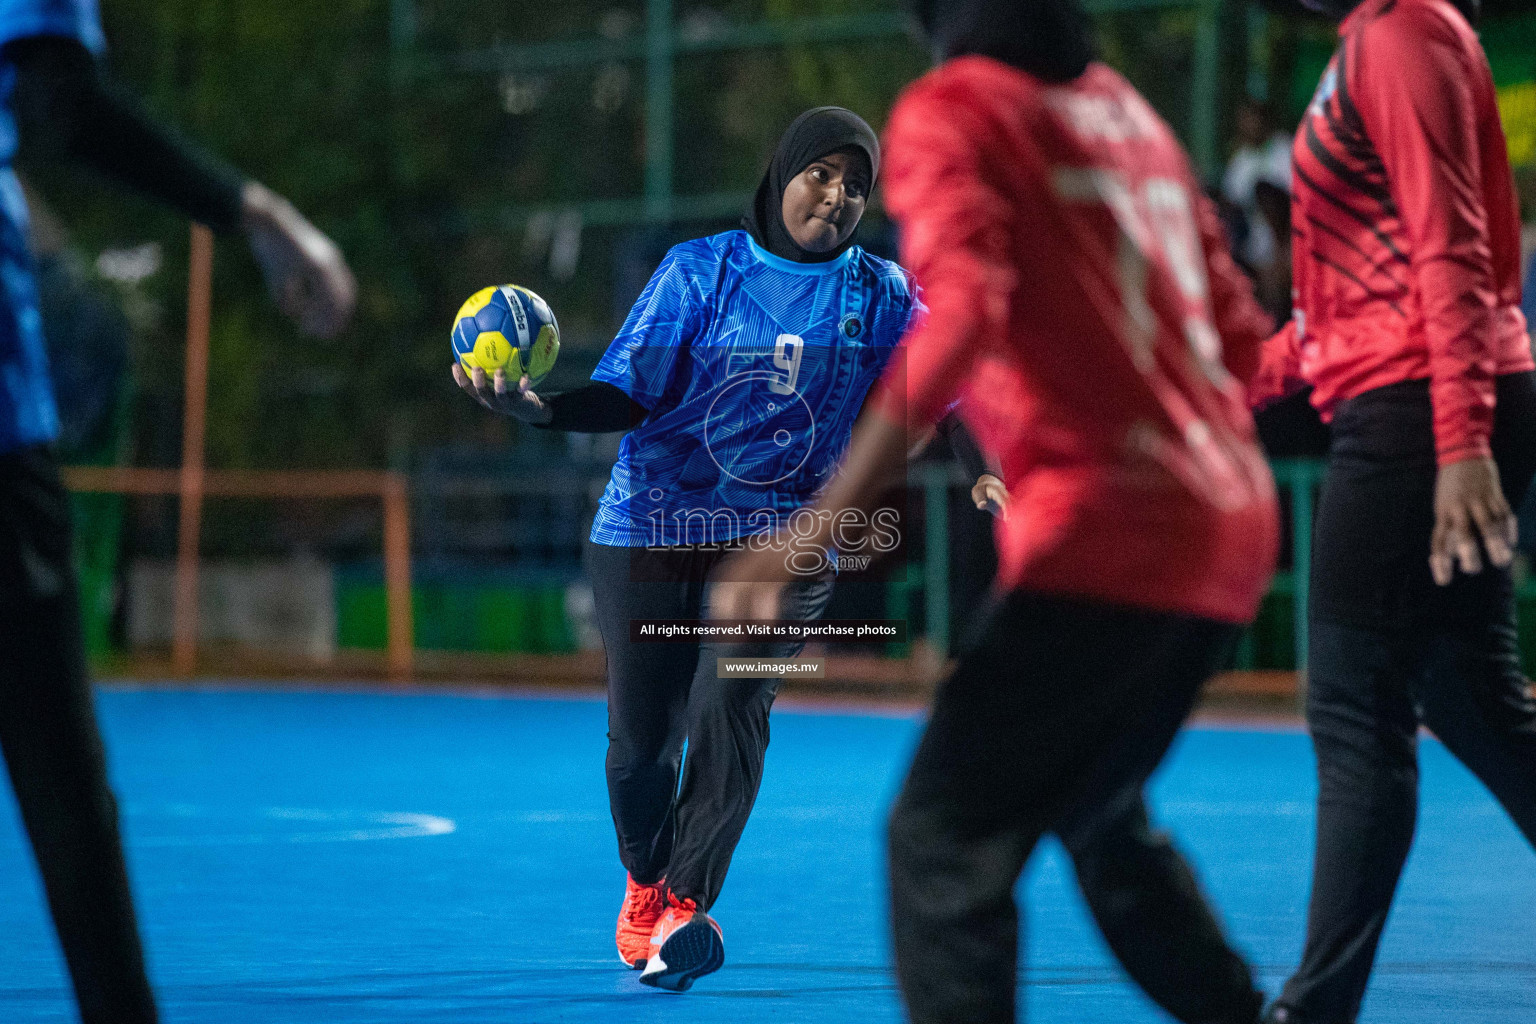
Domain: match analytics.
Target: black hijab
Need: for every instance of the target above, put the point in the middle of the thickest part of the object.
(810, 137)
(1338, 10)
(1050, 39)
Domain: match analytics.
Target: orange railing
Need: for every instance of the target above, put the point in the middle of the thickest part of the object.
(192, 482)
(389, 488)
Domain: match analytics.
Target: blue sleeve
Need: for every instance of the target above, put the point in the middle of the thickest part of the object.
(73, 19)
(665, 318)
(903, 300)
(918, 312)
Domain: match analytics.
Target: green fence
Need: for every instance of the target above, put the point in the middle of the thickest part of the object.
(490, 613)
(662, 45)
(1278, 638)
(98, 520)
(510, 611)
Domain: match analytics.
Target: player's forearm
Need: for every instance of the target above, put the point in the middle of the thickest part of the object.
(874, 467)
(597, 408)
(928, 372)
(1462, 364)
(66, 107)
(1452, 270)
(918, 444)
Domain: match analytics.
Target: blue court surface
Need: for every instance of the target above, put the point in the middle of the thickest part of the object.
(374, 857)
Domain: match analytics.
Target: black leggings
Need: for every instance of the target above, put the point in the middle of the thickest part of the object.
(1388, 650)
(660, 694)
(53, 749)
(1052, 723)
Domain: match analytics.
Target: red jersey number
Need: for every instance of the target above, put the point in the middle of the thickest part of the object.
(1156, 224)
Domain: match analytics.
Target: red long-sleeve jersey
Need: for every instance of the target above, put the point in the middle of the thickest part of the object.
(1406, 232)
(1079, 293)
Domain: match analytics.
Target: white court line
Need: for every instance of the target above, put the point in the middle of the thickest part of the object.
(367, 826)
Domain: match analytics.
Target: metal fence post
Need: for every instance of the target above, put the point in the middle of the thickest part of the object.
(1300, 476)
(1202, 115)
(659, 42)
(193, 431)
(400, 642)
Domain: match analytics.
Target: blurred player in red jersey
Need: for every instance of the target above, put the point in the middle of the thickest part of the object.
(1079, 295)
(1406, 247)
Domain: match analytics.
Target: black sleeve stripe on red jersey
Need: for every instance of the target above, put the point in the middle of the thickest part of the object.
(1469, 262)
(1357, 145)
(1349, 128)
(1375, 267)
(1370, 293)
(1349, 114)
(1346, 124)
(1352, 213)
(1360, 180)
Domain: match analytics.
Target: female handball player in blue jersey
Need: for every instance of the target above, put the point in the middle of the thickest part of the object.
(738, 374)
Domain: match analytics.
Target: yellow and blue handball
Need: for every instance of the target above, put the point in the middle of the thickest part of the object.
(507, 328)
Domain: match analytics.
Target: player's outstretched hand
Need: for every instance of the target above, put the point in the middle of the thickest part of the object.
(306, 273)
(495, 394)
(733, 600)
(750, 583)
(990, 495)
(1470, 507)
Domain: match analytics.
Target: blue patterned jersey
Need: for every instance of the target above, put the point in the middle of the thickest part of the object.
(754, 369)
(27, 411)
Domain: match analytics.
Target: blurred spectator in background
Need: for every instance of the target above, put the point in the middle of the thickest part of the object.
(1263, 156)
(1255, 200)
(1272, 281)
(87, 337)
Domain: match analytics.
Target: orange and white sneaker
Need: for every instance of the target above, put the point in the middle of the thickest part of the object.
(643, 906)
(686, 945)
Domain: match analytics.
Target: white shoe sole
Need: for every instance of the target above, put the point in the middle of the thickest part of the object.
(694, 950)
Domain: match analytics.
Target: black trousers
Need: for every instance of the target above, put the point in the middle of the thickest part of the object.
(660, 694)
(1052, 722)
(53, 749)
(1388, 650)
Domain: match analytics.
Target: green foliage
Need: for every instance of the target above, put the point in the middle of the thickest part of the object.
(291, 94)
(408, 162)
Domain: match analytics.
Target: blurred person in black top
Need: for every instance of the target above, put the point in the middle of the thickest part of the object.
(61, 105)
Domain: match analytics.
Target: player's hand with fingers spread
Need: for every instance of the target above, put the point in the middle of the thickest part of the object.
(498, 395)
(306, 273)
(750, 583)
(1471, 516)
(745, 599)
(990, 495)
